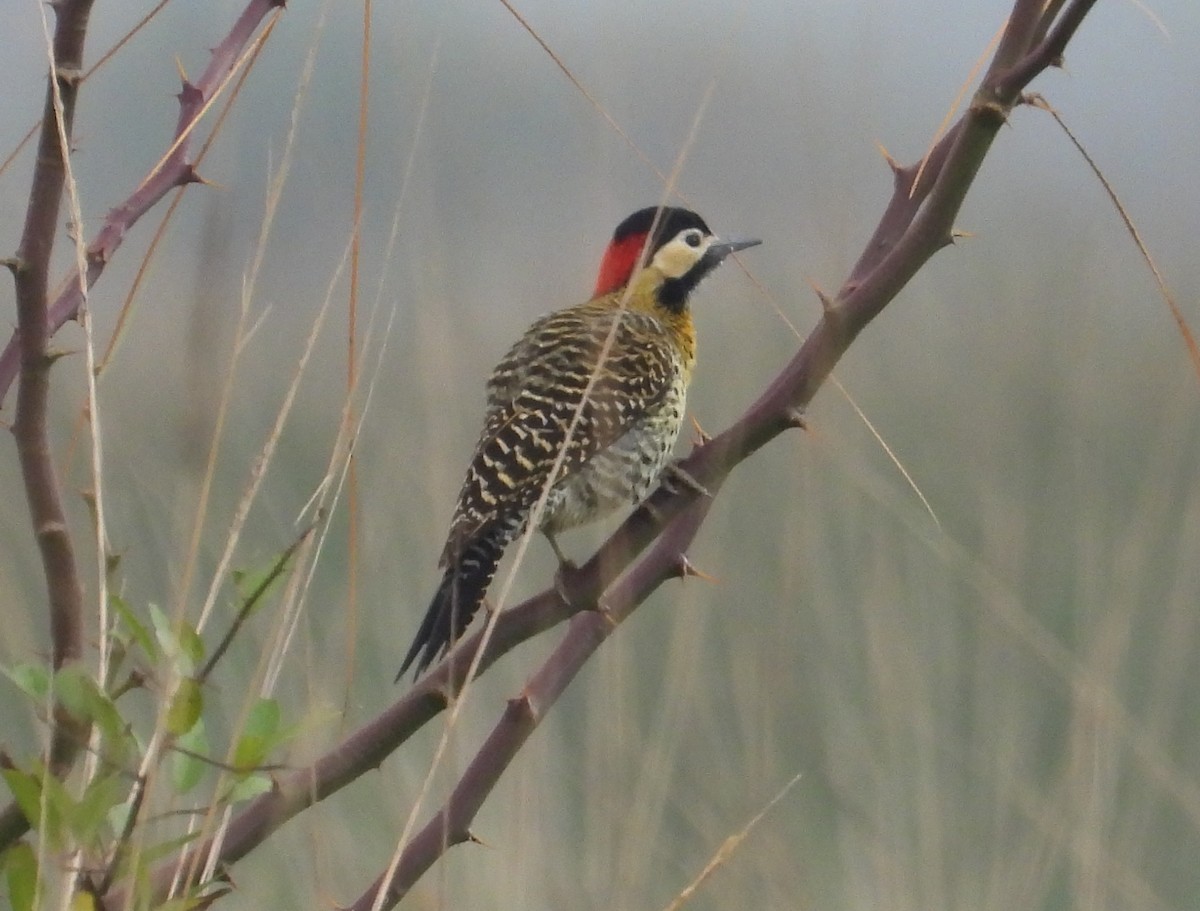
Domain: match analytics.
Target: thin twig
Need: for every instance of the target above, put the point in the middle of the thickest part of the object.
(1185, 331)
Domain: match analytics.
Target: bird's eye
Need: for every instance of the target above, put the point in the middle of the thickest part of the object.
(692, 238)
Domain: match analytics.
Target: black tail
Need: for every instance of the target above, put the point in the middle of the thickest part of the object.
(454, 604)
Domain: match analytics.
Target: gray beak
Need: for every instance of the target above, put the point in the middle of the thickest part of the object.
(723, 248)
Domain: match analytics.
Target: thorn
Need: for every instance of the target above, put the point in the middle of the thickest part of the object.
(1036, 100)
(189, 94)
(887, 156)
(605, 613)
(55, 354)
(476, 840)
(702, 437)
(795, 418)
(70, 76)
(828, 305)
(13, 264)
(956, 234)
(189, 174)
(685, 567)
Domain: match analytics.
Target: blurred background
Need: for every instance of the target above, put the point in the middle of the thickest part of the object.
(993, 710)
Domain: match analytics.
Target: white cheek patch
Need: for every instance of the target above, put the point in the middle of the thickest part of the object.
(677, 257)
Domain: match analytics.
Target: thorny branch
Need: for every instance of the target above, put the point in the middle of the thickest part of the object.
(917, 222)
(919, 230)
(174, 170)
(31, 269)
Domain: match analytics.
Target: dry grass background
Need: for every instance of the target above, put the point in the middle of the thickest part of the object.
(995, 713)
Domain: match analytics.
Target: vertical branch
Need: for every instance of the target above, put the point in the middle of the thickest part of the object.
(31, 268)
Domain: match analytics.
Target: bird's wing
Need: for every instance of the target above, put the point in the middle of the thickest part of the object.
(533, 397)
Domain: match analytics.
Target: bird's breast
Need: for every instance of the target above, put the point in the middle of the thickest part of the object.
(625, 472)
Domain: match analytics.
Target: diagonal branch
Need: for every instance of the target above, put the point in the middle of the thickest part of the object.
(884, 272)
(174, 169)
(586, 632)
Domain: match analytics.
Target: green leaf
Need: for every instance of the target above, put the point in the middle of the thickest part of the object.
(164, 630)
(192, 645)
(59, 805)
(20, 866)
(136, 629)
(249, 787)
(91, 812)
(32, 679)
(264, 717)
(27, 791)
(260, 735)
(78, 691)
(254, 583)
(180, 643)
(186, 706)
(71, 690)
(187, 770)
(21, 872)
(152, 853)
(118, 815)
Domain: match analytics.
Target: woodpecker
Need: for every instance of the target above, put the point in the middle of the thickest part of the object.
(596, 443)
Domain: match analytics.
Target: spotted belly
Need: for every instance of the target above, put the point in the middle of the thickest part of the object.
(624, 474)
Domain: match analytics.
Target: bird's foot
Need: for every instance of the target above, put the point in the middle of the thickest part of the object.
(674, 477)
(563, 577)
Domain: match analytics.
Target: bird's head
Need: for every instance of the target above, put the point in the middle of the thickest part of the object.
(675, 243)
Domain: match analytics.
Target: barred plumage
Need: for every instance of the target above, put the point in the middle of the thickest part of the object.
(615, 432)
